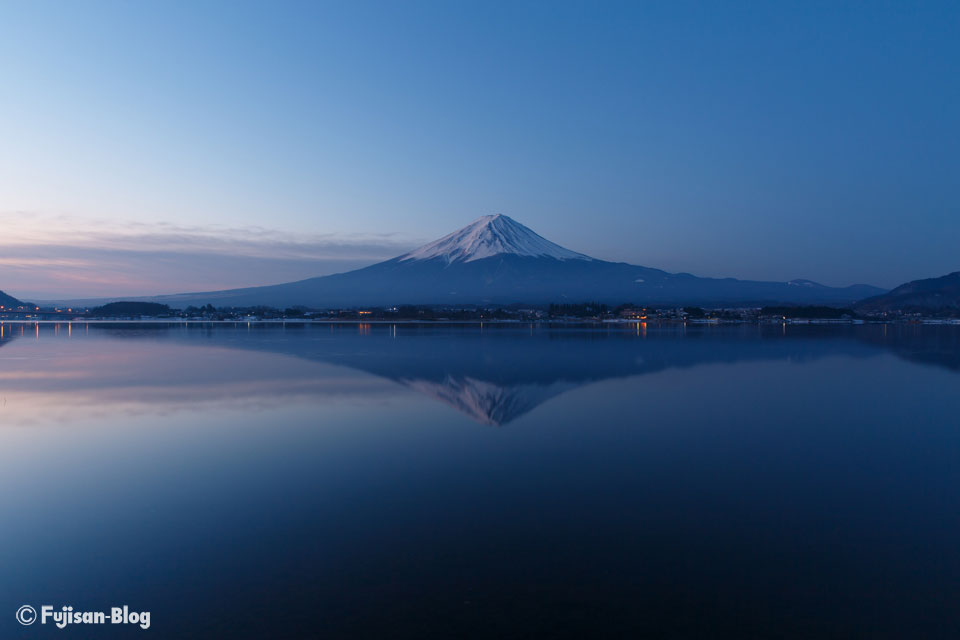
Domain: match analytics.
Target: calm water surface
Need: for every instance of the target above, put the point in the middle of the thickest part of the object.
(377, 481)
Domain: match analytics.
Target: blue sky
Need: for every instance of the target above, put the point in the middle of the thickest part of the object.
(156, 147)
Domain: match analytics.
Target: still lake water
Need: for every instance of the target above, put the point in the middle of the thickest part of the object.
(379, 481)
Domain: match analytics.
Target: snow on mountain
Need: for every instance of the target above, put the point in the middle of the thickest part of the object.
(490, 236)
(488, 402)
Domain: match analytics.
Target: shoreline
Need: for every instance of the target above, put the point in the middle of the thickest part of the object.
(571, 322)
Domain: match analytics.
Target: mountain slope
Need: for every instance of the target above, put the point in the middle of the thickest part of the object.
(929, 295)
(9, 301)
(496, 260)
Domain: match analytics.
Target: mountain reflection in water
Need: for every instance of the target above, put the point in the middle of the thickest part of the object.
(493, 374)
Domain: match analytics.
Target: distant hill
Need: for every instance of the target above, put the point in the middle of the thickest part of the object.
(10, 301)
(497, 260)
(933, 295)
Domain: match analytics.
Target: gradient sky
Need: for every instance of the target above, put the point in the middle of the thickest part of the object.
(158, 147)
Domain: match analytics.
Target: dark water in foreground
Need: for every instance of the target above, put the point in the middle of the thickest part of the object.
(504, 482)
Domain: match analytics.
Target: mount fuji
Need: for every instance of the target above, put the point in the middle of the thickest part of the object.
(497, 260)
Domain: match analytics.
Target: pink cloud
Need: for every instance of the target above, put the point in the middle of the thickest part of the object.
(56, 258)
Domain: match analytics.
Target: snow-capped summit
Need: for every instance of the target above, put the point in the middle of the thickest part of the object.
(490, 236)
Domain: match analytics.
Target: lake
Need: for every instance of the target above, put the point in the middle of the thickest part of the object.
(495, 481)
